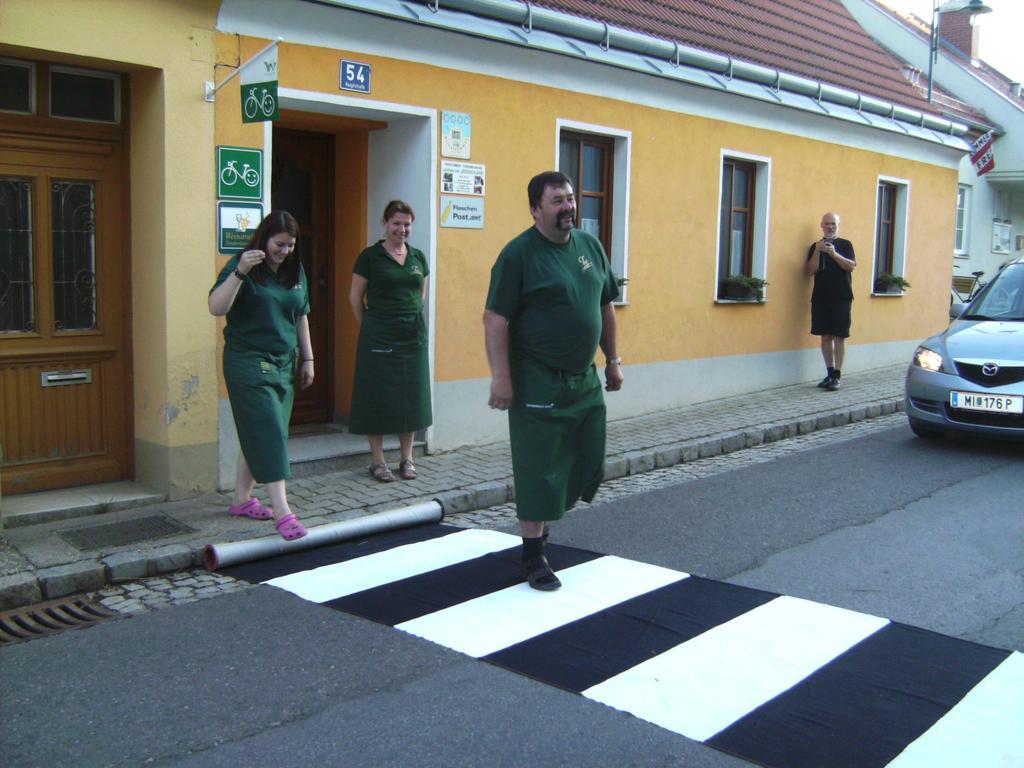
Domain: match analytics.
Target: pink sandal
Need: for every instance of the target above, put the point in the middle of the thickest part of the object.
(290, 528)
(252, 508)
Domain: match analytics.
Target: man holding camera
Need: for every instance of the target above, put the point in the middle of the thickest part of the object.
(831, 260)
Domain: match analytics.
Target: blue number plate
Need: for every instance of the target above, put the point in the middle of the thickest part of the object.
(355, 76)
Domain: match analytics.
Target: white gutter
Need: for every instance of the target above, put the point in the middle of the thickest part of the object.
(529, 18)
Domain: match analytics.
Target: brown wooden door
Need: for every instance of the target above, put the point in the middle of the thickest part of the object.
(302, 167)
(65, 397)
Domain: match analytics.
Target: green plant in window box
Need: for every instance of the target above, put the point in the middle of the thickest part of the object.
(742, 288)
(889, 283)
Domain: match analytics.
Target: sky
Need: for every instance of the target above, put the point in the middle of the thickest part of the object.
(999, 40)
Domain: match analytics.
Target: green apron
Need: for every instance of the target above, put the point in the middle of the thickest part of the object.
(260, 351)
(557, 429)
(391, 391)
(552, 294)
(261, 390)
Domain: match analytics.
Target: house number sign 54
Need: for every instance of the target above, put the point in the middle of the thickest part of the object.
(355, 76)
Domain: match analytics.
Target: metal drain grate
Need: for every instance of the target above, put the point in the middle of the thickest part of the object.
(49, 618)
(124, 532)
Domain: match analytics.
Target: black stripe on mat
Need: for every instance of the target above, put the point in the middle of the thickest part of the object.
(308, 559)
(864, 707)
(436, 590)
(590, 650)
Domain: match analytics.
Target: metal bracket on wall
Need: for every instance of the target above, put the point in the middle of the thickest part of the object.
(210, 90)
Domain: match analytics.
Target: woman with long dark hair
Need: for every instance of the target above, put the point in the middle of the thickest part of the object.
(264, 294)
(391, 393)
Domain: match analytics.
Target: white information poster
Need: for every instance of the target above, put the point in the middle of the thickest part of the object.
(456, 132)
(463, 178)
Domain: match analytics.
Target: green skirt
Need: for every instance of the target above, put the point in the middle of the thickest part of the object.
(557, 430)
(261, 389)
(391, 392)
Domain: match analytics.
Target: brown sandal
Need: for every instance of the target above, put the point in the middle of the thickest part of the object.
(381, 472)
(407, 470)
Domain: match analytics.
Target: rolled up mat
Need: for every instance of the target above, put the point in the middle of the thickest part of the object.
(231, 553)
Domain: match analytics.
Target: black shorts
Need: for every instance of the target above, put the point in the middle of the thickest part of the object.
(831, 318)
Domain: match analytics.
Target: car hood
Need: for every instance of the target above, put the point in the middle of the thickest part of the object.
(993, 340)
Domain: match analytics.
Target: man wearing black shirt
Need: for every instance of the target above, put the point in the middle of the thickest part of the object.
(831, 260)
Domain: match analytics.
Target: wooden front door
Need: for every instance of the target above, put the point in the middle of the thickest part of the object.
(65, 394)
(302, 166)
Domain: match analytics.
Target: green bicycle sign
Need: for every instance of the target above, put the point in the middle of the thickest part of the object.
(239, 173)
(259, 102)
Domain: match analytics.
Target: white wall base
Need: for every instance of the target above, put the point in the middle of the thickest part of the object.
(462, 416)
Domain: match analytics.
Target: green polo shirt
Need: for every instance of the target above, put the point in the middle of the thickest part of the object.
(263, 317)
(552, 294)
(392, 287)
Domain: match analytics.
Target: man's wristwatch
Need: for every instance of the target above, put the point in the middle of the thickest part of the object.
(613, 361)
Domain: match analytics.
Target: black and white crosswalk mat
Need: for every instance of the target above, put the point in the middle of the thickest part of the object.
(776, 680)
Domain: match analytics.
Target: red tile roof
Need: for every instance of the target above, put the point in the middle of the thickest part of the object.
(817, 39)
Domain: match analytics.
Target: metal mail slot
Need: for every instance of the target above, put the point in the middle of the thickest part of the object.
(63, 378)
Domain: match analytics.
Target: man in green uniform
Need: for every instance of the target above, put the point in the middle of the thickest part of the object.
(548, 308)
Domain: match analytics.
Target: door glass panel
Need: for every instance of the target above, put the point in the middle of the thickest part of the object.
(83, 95)
(590, 220)
(738, 244)
(74, 255)
(16, 83)
(742, 181)
(593, 168)
(569, 161)
(17, 310)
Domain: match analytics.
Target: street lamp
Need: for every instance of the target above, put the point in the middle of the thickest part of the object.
(974, 7)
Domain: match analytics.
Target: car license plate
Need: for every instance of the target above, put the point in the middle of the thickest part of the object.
(977, 401)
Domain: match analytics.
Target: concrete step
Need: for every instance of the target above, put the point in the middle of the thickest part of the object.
(69, 503)
(331, 450)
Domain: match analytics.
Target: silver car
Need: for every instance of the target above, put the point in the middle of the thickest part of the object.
(970, 377)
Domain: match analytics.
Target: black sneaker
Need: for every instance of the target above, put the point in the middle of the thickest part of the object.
(539, 575)
(832, 385)
(823, 384)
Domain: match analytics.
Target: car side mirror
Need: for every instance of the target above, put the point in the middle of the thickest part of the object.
(955, 310)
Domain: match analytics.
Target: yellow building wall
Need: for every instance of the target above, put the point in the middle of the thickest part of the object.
(673, 214)
(166, 49)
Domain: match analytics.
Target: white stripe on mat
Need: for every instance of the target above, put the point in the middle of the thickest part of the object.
(984, 730)
(489, 623)
(707, 683)
(330, 582)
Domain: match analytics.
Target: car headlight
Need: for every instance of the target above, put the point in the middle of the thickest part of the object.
(928, 359)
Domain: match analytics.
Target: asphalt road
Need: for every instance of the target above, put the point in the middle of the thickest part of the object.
(929, 534)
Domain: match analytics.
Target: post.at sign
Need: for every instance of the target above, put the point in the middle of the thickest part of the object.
(259, 88)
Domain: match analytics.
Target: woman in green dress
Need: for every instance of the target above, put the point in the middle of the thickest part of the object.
(264, 294)
(391, 393)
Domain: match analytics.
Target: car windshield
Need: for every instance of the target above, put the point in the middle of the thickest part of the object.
(1002, 299)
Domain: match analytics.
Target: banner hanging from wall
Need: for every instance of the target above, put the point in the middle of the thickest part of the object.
(259, 87)
(982, 156)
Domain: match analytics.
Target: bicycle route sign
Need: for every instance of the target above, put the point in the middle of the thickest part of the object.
(239, 173)
(258, 79)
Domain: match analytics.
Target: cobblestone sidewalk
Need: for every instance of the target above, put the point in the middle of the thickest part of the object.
(189, 586)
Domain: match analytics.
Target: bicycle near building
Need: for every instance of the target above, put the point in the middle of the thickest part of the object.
(965, 287)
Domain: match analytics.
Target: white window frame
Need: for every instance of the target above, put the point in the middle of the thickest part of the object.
(900, 241)
(100, 75)
(762, 208)
(621, 162)
(32, 87)
(962, 252)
